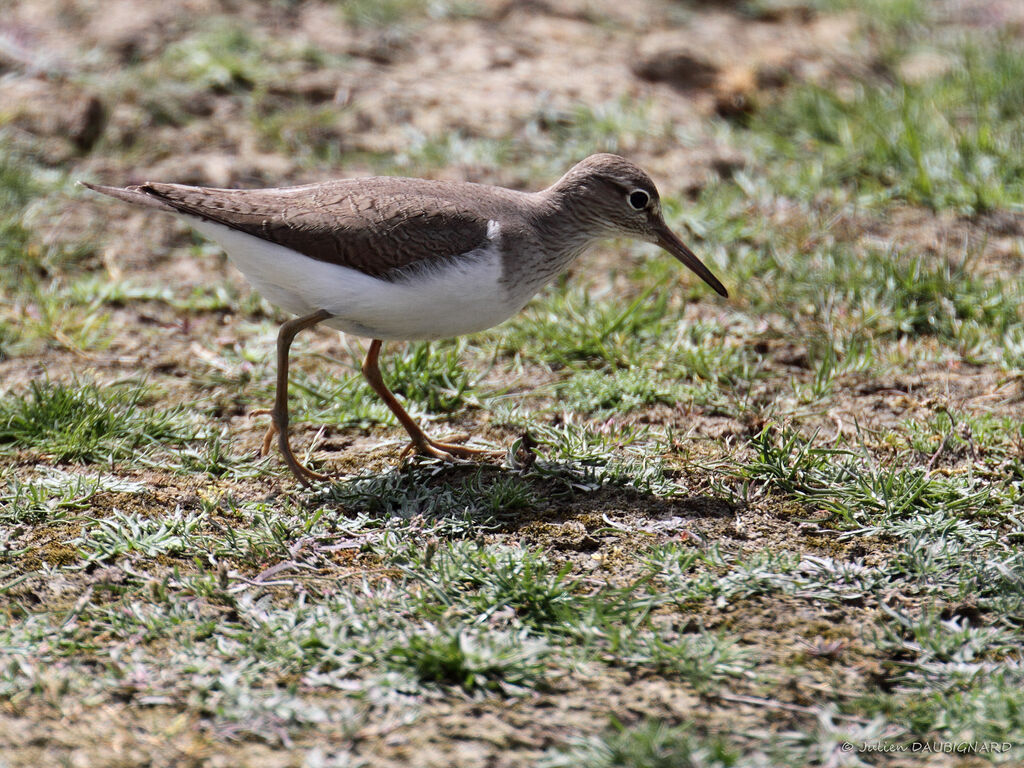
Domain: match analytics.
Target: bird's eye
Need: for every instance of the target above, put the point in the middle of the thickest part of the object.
(639, 199)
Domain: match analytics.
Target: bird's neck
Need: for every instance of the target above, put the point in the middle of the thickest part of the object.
(570, 224)
(560, 232)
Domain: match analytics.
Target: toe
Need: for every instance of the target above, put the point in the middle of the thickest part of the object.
(428, 448)
(464, 451)
(268, 440)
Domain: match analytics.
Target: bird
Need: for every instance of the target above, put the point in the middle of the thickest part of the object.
(389, 258)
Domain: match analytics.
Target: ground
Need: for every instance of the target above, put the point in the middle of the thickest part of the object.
(779, 529)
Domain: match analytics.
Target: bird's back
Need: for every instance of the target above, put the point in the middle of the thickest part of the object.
(378, 226)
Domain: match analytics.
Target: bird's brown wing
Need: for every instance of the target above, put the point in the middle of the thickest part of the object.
(376, 225)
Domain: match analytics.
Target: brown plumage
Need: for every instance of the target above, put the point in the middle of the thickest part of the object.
(375, 225)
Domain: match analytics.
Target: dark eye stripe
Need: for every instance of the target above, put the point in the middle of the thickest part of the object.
(639, 199)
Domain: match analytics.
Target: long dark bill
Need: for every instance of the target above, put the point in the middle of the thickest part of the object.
(672, 244)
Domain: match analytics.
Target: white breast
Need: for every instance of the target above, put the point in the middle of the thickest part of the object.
(446, 298)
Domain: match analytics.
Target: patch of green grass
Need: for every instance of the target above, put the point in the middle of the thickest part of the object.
(941, 299)
(232, 673)
(257, 533)
(308, 133)
(948, 142)
(471, 659)
(701, 659)
(620, 126)
(568, 326)
(468, 501)
(92, 291)
(982, 706)
(629, 353)
(453, 149)
(341, 401)
(883, 16)
(829, 358)
(549, 142)
(853, 488)
(513, 589)
(787, 460)
(583, 459)
(227, 57)
(86, 422)
(45, 318)
(851, 298)
(433, 378)
(1013, 348)
(933, 645)
(26, 257)
(222, 56)
(706, 353)
(215, 458)
(19, 185)
(998, 584)
(46, 499)
(111, 538)
(692, 577)
(8, 339)
(35, 261)
(481, 582)
(600, 393)
(952, 677)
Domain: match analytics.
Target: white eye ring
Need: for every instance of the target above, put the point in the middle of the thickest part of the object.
(638, 199)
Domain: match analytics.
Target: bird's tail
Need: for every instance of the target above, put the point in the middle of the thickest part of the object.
(138, 195)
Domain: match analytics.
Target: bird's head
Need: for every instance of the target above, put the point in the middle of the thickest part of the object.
(613, 196)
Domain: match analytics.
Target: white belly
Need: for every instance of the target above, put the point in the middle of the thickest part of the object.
(453, 298)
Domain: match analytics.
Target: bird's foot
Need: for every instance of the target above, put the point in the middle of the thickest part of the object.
(445, 451)
(302, 473)
(268, 436)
